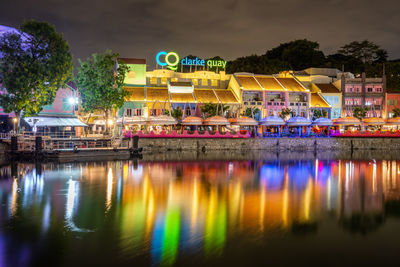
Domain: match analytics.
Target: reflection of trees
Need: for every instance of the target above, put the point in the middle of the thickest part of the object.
(303, 228)
(392, 208)
(362, 223)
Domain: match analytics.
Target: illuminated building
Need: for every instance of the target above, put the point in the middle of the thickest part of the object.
(392, 102)
(266, 95)
(364, 93)
(164, 89)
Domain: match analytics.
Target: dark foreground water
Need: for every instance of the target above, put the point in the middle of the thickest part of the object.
(201, 213)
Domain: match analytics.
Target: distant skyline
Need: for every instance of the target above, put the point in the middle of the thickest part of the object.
(207, 28)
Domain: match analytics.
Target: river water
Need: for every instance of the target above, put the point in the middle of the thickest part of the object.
(314, 212)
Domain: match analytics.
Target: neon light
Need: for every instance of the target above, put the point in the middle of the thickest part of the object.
(176, 59)
(216, 63)
(173, 64)
(170, 65)
(158, 58)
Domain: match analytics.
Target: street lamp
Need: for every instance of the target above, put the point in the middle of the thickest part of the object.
(15, 120)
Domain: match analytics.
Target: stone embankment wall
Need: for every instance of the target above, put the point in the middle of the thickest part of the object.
(271, 144)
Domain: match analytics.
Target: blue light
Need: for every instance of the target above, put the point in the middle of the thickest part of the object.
(158, 58)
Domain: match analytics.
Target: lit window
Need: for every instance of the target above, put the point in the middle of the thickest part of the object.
(153, 80)
(336, 100)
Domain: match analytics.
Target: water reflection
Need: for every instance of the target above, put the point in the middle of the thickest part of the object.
(164, 212)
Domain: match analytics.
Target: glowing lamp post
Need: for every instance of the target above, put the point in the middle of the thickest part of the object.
(15, 120)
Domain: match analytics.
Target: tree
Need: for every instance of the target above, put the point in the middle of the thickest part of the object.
(396, 112)
(210, 109)
(175, 113)
(365, 51)
(299, 54)
(295, 55)
(317, 113)
(100, 83)
(251, 113)
(359, 112)
(285, 112)
(34, 64)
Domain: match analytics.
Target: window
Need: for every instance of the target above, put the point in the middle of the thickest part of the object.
(138, 112)
(204, 82)
(336, 100)
(153, 80)
(195, 82)
(369, 89)
(164, 80)
(214, 83)
(128, 112)
(188, 111)
(47, 107)
(66, 106)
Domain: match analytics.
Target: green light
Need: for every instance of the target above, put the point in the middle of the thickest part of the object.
(176, 59)
(171, 237)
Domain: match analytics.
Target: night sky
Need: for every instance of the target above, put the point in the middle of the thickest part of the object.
(206, 28)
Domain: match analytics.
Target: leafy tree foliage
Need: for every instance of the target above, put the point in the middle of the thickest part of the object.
(286, 112)
(175, 113)
(365, 51)
(295, 55)
(210, 109)
(251, 112)
(396, 112)
(359, 112)
(298, 54)
(100, 82)
(34, 64)
(317, 113)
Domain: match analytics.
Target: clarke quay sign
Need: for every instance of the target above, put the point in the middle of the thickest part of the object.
(171, 61)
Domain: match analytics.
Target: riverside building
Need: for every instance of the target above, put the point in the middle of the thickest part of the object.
(267, 95)
(364, 93)
(154, 92)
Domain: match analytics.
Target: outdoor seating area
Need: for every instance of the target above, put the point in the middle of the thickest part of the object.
(165, 126)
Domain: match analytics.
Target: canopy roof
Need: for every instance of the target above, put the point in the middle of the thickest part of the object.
(192, 121)
(272, 121)
(347, 121)
(216, 120)
(394, 121)
(132, 120)
(162, 120)
(245, 121)
(318, 101)
(373, 121)
(251, 82)
(323, 122)
(298, 121)
(53, 121)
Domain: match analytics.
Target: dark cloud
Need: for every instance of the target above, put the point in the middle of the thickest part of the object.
(229, 28)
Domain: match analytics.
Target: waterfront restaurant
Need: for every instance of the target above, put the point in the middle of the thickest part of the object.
(165, 90)
(267, 95)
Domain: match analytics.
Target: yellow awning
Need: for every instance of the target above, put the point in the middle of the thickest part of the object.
(269, 83)
(291, 85)
(154, 94)
(182, 98)
(205, 96)
(318, 101)
(226, 96)
(249, 83)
